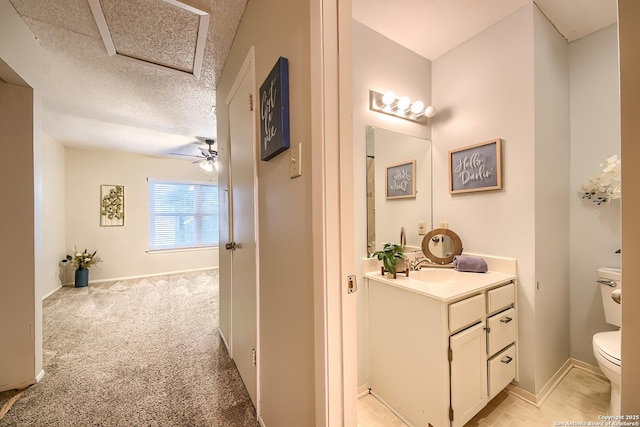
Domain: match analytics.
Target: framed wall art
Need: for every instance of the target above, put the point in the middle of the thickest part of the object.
(274, 111)
(401, 180)
(476, 167)
(111, 205)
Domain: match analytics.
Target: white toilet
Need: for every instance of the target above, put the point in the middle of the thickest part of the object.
(606, 345)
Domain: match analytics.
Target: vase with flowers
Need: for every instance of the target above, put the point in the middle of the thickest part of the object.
(605, 186)
(81, 261)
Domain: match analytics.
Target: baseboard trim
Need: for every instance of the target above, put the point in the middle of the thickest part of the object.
(261, 421)
(538, 399)
(40, 376)
(224, 341)
(142, 276)
(363, 390)
(392, 409)
(590, 368)
(44, 297)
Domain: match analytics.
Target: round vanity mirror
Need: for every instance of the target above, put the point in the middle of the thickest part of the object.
(441, 245)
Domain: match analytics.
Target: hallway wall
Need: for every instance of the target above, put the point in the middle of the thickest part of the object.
(286, 379)
(22, 244)
(52, 189)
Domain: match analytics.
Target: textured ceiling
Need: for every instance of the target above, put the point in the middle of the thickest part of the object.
(92, 99)
(96, 100)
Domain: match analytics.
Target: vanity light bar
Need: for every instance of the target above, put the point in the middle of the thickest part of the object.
(387, 103)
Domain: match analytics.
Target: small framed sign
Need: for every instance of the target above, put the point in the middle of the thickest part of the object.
(401, 180)
(274, 111)
(476, 167)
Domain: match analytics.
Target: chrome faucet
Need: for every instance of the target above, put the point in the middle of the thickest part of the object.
(403, 237)
(416, 264)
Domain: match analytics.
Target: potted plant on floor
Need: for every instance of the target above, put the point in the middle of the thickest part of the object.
(392, 257)
(81, 261)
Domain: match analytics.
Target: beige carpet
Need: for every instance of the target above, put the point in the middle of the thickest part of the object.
(135, 353)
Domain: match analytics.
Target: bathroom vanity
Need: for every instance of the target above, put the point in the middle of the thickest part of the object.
(442, 343)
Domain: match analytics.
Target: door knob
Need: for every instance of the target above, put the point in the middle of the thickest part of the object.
(230, 246)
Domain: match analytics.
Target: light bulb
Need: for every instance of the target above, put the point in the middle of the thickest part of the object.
(388, 98)
(429, 111)
(417, 107)
(404, 103)
(215, 164)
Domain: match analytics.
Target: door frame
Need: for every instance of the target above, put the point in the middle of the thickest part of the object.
(332, 218)
(247, 68)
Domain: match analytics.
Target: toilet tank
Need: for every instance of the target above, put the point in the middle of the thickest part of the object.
(610, 279)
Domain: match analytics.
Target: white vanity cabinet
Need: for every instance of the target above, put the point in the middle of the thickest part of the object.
(437, 361)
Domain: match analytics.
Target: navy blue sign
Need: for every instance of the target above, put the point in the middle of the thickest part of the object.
(274, 111)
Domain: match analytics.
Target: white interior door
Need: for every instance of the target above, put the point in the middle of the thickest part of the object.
(243, 230)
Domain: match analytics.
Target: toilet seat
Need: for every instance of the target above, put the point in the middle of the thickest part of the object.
(608, 346)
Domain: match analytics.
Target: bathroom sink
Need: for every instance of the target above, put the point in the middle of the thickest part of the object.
(435, 275)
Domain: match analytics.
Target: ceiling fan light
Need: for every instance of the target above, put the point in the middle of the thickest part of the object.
(207, 165)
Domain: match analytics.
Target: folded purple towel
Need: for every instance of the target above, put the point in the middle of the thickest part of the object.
(469, 263)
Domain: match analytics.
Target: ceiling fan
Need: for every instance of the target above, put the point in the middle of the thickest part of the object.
(208, 158)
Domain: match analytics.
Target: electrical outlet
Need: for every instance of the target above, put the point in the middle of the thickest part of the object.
(422, 228)
(295, 164)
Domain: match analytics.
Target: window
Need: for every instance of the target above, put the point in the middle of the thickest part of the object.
(182, 215)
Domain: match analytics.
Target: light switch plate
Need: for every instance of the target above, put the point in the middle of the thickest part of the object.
(295, 164)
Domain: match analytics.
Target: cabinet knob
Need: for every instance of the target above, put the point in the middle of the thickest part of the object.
(507, 360)
(506, 319)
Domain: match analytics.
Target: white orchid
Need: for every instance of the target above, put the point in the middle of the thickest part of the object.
(605, 186)
(82, 259)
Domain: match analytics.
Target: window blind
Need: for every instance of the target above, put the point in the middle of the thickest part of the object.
(182, 215)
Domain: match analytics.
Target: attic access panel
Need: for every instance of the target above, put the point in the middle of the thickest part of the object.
(168, 34)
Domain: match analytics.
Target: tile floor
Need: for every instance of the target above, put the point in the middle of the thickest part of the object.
(580, 396)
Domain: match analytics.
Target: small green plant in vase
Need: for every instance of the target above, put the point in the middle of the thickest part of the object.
(390, 255)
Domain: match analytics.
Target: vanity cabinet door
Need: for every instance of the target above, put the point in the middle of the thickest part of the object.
(468, 373)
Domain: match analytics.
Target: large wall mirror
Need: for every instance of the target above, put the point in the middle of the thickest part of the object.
(397, 166)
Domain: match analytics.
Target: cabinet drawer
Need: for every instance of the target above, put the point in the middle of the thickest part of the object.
(466, 312)
(502, 330)
(500, 298)
(502, 370)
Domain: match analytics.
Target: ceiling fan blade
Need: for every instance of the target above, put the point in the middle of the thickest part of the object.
(204, 151)
(199, 161)
(185, 155)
